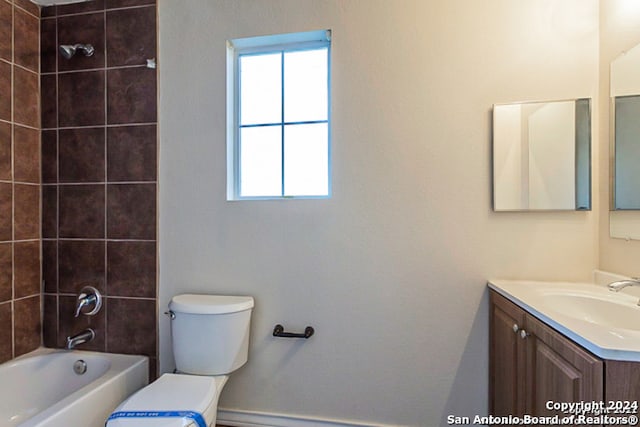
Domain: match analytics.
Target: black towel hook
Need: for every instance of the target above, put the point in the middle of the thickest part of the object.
(278, 331)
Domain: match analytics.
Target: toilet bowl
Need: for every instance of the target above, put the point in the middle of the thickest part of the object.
(210, 336)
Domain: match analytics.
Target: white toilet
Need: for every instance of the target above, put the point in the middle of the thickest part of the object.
(210, 340)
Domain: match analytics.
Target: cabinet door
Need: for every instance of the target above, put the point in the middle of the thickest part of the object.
(558, 370)
(622, 381)
(507, 357)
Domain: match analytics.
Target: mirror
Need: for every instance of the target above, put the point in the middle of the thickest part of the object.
(626, 165)
(542, 156)
(624, 218)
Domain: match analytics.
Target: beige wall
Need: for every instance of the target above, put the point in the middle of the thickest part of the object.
(392, 270)
(619, 32)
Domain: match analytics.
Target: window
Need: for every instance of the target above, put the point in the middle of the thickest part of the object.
(278, 114)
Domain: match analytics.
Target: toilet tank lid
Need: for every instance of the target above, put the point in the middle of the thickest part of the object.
(209, 304)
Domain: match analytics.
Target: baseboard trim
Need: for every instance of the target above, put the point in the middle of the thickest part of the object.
(239, 418)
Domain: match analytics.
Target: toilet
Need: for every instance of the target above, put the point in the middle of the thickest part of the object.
(210, 335)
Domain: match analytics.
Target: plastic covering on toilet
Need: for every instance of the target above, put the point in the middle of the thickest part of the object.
(171, 401)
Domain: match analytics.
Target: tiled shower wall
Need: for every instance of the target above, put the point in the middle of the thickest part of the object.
(99, 166)
(19, 179)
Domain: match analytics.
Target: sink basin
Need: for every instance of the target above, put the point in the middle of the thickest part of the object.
(596, 309)
(604, 322)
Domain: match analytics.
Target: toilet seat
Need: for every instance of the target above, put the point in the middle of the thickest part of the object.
(170, 393)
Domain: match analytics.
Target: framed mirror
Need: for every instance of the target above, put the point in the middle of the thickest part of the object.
(624, 218)
(626, 153)
(542, 156)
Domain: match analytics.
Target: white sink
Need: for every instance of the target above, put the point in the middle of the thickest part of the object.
(597, 309)
(606, 323)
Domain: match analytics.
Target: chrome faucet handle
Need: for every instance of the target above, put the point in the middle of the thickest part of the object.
(82, 302)
(89, 301)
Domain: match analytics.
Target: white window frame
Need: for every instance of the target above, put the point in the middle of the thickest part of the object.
(262, 45)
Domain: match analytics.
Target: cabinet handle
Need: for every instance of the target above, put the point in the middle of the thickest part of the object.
(524, 334)
(516, 328)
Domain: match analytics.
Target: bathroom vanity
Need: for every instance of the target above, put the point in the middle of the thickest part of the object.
(557, 342)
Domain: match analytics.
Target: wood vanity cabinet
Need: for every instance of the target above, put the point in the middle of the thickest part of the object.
(507, 358)
(530, 364)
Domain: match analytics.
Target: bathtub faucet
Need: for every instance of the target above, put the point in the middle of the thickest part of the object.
(81, 338)
(89, 302)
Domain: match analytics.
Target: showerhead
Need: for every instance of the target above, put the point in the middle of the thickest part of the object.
(69, 50)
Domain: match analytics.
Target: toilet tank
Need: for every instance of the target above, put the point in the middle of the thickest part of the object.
(210, 333)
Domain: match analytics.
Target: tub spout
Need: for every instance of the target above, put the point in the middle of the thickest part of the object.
(81, 338)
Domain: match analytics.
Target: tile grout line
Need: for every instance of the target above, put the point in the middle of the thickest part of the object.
(13, 199)
(94, 183)
(70, 294)
(114, 125)
(97, 69)
(19, 182)
(156, 290)
(105, 9)
(26, 11)
(29, 70)
(57, 188)
(42, 283)
(97, 239)
(106, 177)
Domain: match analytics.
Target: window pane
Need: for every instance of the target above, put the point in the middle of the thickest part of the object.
(261, 161)
(306, 154)
(305, 87)
(260, 89)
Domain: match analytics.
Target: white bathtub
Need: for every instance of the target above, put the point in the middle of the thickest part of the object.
(41, 389)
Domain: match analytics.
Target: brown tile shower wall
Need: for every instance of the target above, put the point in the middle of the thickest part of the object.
(19, 179)
(99, 173)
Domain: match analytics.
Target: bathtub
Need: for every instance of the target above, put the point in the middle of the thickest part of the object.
(41, 389)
